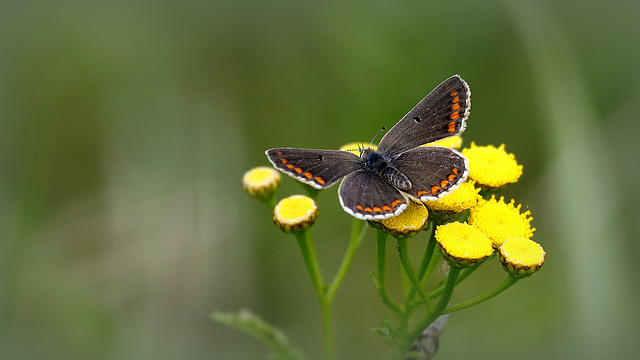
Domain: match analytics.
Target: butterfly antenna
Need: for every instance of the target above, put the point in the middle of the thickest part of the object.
(381, 130)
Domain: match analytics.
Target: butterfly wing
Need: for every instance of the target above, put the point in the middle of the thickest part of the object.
(440, 114)
(365, 195)
(318, 168)
(432, 170)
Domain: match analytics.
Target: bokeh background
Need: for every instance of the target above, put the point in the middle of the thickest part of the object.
(125, 128)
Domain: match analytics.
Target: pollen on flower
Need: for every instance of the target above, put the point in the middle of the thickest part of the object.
(452, 142)
(462, 244)
(492, 167)
(459, 200)
(261, 182)
(501, 221)
(521, 257)
(408, 223)
(295, 213)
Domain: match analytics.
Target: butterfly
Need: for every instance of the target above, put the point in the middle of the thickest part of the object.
(379, 183)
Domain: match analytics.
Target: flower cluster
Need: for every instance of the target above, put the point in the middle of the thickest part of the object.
(468, 225)
(489, 221)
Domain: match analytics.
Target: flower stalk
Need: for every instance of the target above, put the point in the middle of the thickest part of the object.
(438, 310)
(326, 292)
(408, 268)
(381, 279)
(504, 285)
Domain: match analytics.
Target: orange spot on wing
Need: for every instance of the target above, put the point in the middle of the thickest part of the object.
(451, 126)
(452, 177)
(298, 170)
(377, 209)
(396, 202)
(307, 175)
(455, 116)
(279, 153)
(435, 189)
(455, 106)
(284, 161)
(368, 209)
(444, 183)
(454, 93)
(290, 166)
(320, 180)
(455, 99)
(422, 192)
(455, 171)
(387, 208)
(359, 207)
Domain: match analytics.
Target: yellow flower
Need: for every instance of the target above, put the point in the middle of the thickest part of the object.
(295, 213)
(521, 257)
(462, 244)
(261, 182)
(355, 146)
(492, 167)
(408, 223)
(457, 201)
(452, 142)
(501, 221)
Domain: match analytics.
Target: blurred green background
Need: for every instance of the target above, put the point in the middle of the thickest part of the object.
(125, 128)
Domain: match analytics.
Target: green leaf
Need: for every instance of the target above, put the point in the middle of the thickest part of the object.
(251, 324)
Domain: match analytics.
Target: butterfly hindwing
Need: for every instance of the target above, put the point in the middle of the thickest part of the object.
(365, 195)
(442, 113)
(432, 170)
(318, 168)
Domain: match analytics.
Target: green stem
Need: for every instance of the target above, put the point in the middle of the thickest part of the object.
(426, 261)
(311, 262)
(463, 275)
(438, 310)
(428, 253)
(507, 283)
(326, 309)
(380, 281)
(408, 268)
(357, 234)
(326, 306)
(270, 202)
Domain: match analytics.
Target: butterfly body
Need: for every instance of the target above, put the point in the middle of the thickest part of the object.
(378, 184)
(378, 162)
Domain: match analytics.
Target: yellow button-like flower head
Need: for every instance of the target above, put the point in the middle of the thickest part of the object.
(408, 223)
(355, 146)
(462, 244)
(295, 213)
(492, 167)
(457, 201)
(501, 221)
(261, 182)
(452, 142)
(521, 257)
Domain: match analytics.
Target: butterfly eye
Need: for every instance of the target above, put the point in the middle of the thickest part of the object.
(417, 119)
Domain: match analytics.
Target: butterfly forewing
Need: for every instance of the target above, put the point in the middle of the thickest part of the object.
(432, 170)
(440, 114)
(318, 168)
(378, 187)
(365, 195)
